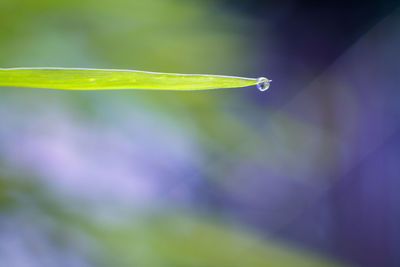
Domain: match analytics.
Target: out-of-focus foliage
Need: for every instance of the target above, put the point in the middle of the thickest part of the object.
(146, 239)
(159, 35)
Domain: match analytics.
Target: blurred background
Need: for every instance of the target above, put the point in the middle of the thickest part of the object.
(305, 174)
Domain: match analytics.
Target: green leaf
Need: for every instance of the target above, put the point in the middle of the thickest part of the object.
(96, 79)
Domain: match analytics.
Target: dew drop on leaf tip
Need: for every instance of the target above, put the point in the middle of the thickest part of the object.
(263, 84)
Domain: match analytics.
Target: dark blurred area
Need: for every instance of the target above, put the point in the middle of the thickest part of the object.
(305, 174)
(310, 35)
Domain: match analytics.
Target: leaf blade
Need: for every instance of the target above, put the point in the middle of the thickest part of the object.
(98, 79)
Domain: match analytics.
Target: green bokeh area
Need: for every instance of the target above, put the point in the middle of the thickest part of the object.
(58, 229)
(166, 36)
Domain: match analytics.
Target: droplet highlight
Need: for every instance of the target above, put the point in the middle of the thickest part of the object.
(263, 84)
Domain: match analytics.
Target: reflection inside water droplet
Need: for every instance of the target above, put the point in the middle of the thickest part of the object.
(263, 84)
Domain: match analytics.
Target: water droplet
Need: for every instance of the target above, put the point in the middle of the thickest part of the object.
(263, 84)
